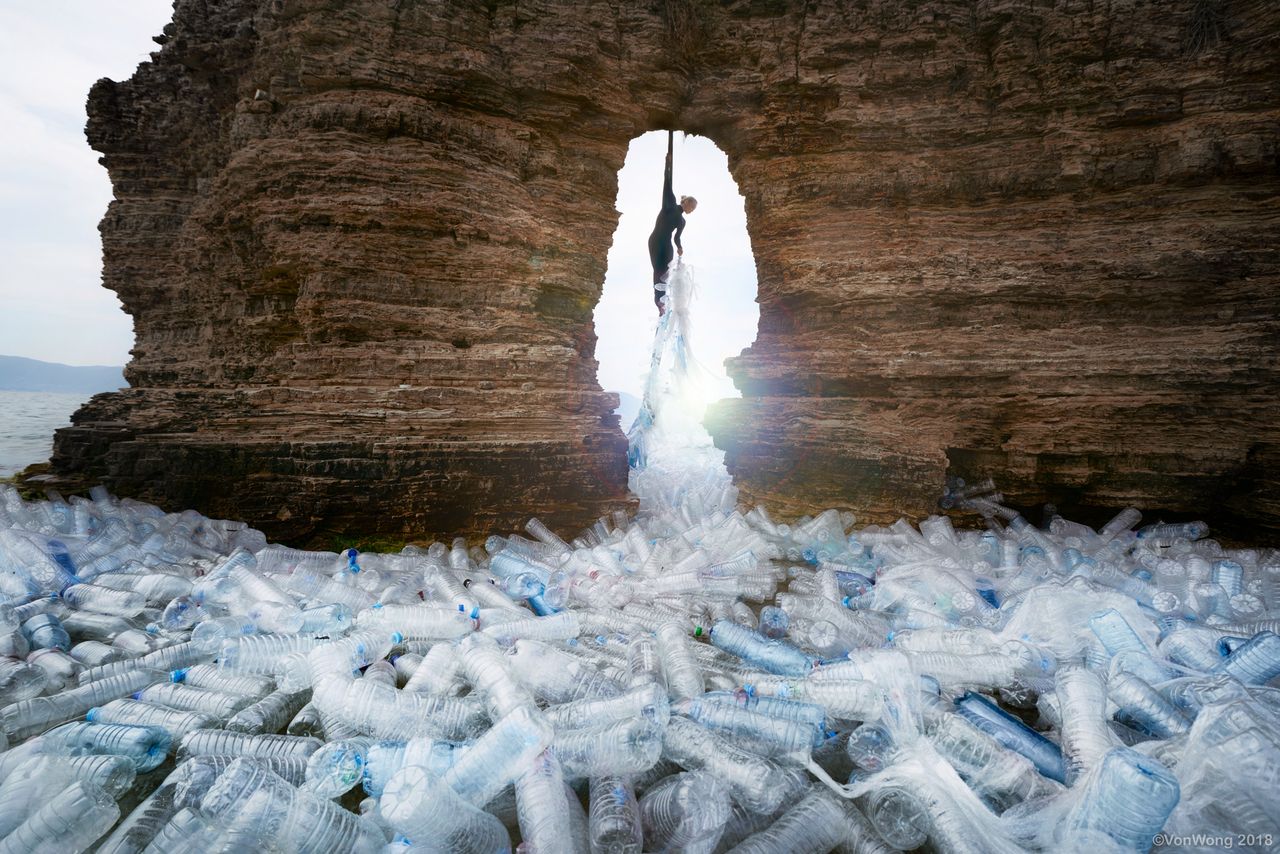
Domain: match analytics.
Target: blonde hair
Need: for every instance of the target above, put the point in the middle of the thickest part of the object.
(684, 199)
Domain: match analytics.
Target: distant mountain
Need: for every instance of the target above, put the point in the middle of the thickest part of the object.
(627, 409)
(20, 374)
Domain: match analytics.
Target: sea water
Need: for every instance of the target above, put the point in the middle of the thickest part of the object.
(27, 422)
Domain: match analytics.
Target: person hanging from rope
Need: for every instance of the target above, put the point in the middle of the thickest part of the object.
(670, 218)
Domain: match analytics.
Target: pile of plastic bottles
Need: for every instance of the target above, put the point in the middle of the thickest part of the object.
(692, 679)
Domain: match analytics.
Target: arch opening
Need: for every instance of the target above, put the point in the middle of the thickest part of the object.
(717, 249)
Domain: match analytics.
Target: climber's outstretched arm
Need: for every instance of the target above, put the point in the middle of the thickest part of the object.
(668, 196)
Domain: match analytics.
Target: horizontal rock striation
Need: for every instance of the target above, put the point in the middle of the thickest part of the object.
(362, 242)
(1031, 241)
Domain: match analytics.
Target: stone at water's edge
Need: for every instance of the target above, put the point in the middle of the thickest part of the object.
(1032, 241)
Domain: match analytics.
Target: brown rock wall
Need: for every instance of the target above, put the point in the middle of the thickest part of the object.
(362, 241)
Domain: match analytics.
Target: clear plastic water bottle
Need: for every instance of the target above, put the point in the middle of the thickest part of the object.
(45, 631)
(768, 655)
(1000, 776)
(784, 738)
(625, 747)
(438, 672)
(685, 812)
(213, 742)
(40, 776)
(296, 819)
(644, 666)
(1013, 734)
(183, 698)
(337, 767)
(490, 671)
(71, 821)
(546, 822)
(754, 781)
(681, 671)
(20, 681)
(1256, 662)
(35, 715)
(210, 677)
(1086, 737)
(558, 676)
(561, 626)
(421, 806)
(146, 746)
(1144, 706)
(499, 756)
(104, 600)
(176, 834)
(815, 823)
(614, 817)
(1127, 798)
(421, 622)
(899, 817)
(137, 713)
(270, 714)
(647, 701)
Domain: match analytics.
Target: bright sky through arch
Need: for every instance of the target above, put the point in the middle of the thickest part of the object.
(725, 313)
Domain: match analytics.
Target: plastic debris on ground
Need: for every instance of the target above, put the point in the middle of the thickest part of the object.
(697, 678)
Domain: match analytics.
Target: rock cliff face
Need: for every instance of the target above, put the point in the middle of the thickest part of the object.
(362, 241)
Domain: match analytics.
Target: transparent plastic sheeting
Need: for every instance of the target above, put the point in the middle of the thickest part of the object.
(669, 422)
(696, 678)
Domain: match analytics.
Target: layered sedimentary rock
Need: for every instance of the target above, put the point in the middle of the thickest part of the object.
(1031, 241)
(361, 242)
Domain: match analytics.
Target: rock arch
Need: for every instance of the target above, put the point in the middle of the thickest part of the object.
(361, 243)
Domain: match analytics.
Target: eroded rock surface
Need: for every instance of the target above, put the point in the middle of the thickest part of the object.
(362, 241)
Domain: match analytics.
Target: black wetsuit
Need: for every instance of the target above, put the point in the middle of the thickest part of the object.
(670, 218)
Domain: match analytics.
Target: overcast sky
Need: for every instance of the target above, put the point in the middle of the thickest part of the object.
(53, 193)
(52, 190)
